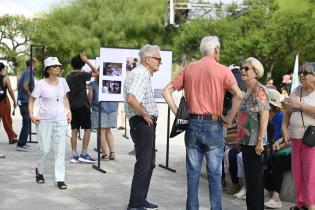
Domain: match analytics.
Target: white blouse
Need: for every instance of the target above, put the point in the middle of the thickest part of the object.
(296, 128)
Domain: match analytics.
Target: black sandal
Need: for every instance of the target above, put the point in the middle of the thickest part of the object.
(62, 185)
(112, 155)
(105, 157)
(39, 177)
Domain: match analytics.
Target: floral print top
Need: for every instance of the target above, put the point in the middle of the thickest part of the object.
(254, 102)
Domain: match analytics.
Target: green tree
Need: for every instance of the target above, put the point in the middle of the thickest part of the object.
(88, 25)
(15, 34)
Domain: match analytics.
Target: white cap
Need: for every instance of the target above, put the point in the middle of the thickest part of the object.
(275, 97)
(233, 66)
(51, 61)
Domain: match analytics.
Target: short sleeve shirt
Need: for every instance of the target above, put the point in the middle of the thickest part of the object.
(248, 117)
(51, 100)
(205, 83)
(77, 84)
(138, 83)
(296, 127)
(28, 75)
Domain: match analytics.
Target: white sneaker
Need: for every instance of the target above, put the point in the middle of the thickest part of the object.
(273, 204)
(241, 194)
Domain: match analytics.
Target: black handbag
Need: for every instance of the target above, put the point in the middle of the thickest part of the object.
(181, 119)
(309, 134)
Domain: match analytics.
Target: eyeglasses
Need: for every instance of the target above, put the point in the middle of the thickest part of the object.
(158, 59)
(55, 66)
(304, 73)
(246, 68)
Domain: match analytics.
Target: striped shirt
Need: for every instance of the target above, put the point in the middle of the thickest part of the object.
(138, 84)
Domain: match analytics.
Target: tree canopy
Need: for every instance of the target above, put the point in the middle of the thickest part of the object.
(15, 32)
(271, 30)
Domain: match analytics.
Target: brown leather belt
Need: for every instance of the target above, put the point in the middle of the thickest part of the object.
(204, 117)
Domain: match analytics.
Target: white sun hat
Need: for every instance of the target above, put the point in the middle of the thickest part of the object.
(51, 61)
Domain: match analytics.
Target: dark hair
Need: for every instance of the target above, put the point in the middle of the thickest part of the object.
(29, 62)
(1, 66)
(76, 62)
(275, 108)
(45, 72)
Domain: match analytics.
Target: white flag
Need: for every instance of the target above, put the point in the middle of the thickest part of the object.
(295, 79)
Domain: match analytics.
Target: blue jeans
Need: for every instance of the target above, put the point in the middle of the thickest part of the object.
(25, 126)
(204, 138)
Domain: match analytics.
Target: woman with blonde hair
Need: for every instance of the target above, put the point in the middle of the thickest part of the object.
(252, 131)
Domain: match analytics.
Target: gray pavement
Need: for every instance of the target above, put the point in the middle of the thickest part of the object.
(89, 189)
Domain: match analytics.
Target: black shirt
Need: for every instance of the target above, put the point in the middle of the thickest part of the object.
(77, 84)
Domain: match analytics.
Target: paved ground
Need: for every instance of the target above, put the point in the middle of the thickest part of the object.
(89, 189)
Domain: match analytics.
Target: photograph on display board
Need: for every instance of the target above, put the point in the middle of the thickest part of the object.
(131, 63)
(111, 87)
(112, 69)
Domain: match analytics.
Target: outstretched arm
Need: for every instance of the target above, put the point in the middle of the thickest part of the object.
(86, 60)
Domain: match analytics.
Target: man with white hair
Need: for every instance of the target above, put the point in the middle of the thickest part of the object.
(141, 110)
(205, 83)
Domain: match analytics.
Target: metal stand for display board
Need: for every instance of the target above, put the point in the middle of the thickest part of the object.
(98, 166)
(125, 135)
(31, 77)
(167, 144)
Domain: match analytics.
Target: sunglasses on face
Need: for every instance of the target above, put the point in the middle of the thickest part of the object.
(55, 66)
(304, 73)
(246, 68)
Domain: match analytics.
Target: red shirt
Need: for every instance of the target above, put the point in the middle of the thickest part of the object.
(205, 83)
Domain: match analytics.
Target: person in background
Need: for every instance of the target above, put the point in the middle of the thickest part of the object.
(142, 112)
(270, 84)
(5, 106)
(51, 121)
(301, 102)
(81, 115)
(252, 131)
(108, 119)
(205, 83)
(281, 152)
(241, 176)
(25, 88)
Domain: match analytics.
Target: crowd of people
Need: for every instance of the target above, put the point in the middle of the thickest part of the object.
(257, 128)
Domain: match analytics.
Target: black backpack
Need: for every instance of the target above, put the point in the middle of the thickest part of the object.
(3, 90)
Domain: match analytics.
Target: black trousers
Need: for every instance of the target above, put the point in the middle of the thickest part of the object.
(253, 168)
(143, 137)
(273, 179)
(233, 164)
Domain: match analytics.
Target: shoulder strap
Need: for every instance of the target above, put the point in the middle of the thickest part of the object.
(301, 109)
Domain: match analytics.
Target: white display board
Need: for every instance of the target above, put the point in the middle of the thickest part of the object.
(116, 62)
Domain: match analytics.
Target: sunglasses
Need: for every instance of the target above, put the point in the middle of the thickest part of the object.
(55, 66)
(246, 68)
(158, 59)
(304, 73)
